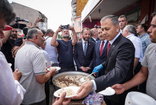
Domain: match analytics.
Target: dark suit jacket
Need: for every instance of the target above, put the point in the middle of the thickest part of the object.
(100, 59)
(118, 67)
(81, 59)
(91, 39)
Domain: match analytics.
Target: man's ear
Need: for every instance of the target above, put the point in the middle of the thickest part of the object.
(36, 36)
(126, 22)
(117, 28)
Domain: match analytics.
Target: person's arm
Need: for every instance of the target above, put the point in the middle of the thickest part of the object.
(74, 37)
(45, 77)
(12, 92)
(139, 78)
(16, 48)
(36, 21)
(136, 60)
(54, 43)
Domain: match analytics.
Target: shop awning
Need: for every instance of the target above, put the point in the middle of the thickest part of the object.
(96, 9)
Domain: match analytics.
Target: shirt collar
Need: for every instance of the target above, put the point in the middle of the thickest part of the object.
(28, 42)
(130, 36)
(143, 35)
(111, 42)
(84, 41)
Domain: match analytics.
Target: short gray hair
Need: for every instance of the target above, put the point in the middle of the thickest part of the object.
(131, 29)
(113, 18)
(32, 32)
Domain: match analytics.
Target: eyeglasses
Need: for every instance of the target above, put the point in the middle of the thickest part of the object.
(14, 31)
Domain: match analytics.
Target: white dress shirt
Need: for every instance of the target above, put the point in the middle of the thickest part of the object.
(11, 92)
(138, 46)
(83, 44)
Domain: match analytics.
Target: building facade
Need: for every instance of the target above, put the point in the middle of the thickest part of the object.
(30, 15)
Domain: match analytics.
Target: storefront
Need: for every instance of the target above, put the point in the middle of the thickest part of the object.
(137, 11)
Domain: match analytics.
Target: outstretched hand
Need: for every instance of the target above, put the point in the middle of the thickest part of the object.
(119, 88)
(62, 100)
(84, 90)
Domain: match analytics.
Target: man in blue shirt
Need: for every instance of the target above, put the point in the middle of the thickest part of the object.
(144, 36)
(65, 48)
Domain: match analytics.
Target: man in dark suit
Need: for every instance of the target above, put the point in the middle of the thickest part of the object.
(94, 35)
(84, 52)
(118, 66)
(100, 54)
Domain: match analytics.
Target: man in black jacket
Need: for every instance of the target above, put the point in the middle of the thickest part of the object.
(118, 66)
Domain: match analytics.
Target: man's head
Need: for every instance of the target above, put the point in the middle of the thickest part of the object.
(50, 33)
(36, 36)
(101, 35)
(6, 16)
(129, 29)
(86, 33)
(152, 28)
(110, 26)
(13, 33)
(65, 33)
(6, 13)
(94, 33)
(141, 29)
(122, 21)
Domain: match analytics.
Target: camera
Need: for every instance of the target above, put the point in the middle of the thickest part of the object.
(64, 26)
(97, 26)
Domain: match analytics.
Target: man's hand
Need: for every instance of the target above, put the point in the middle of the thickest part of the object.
(70, 27)
(84, 90)
(53, 72)
(119, 88)
(62, 100)
(87, 68)
(82, 68)
(59, 29)
(97, 68)
(17, 75)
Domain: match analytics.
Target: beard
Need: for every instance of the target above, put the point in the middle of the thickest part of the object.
(65, 36)
(85, 39)
(13, 35)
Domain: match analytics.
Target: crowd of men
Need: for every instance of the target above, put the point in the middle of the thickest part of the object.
(120, 55)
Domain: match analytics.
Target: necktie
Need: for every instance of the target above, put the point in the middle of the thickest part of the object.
(101, 48)
(85, 48)
(108, 47)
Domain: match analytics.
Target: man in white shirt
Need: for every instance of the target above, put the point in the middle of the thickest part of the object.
(11, 92)
(129, 32)
(50, 49)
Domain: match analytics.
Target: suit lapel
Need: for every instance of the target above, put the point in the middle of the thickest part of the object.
(98, 48)
(81, 47)
(114, 45)
(105, 48)
(88, 48)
